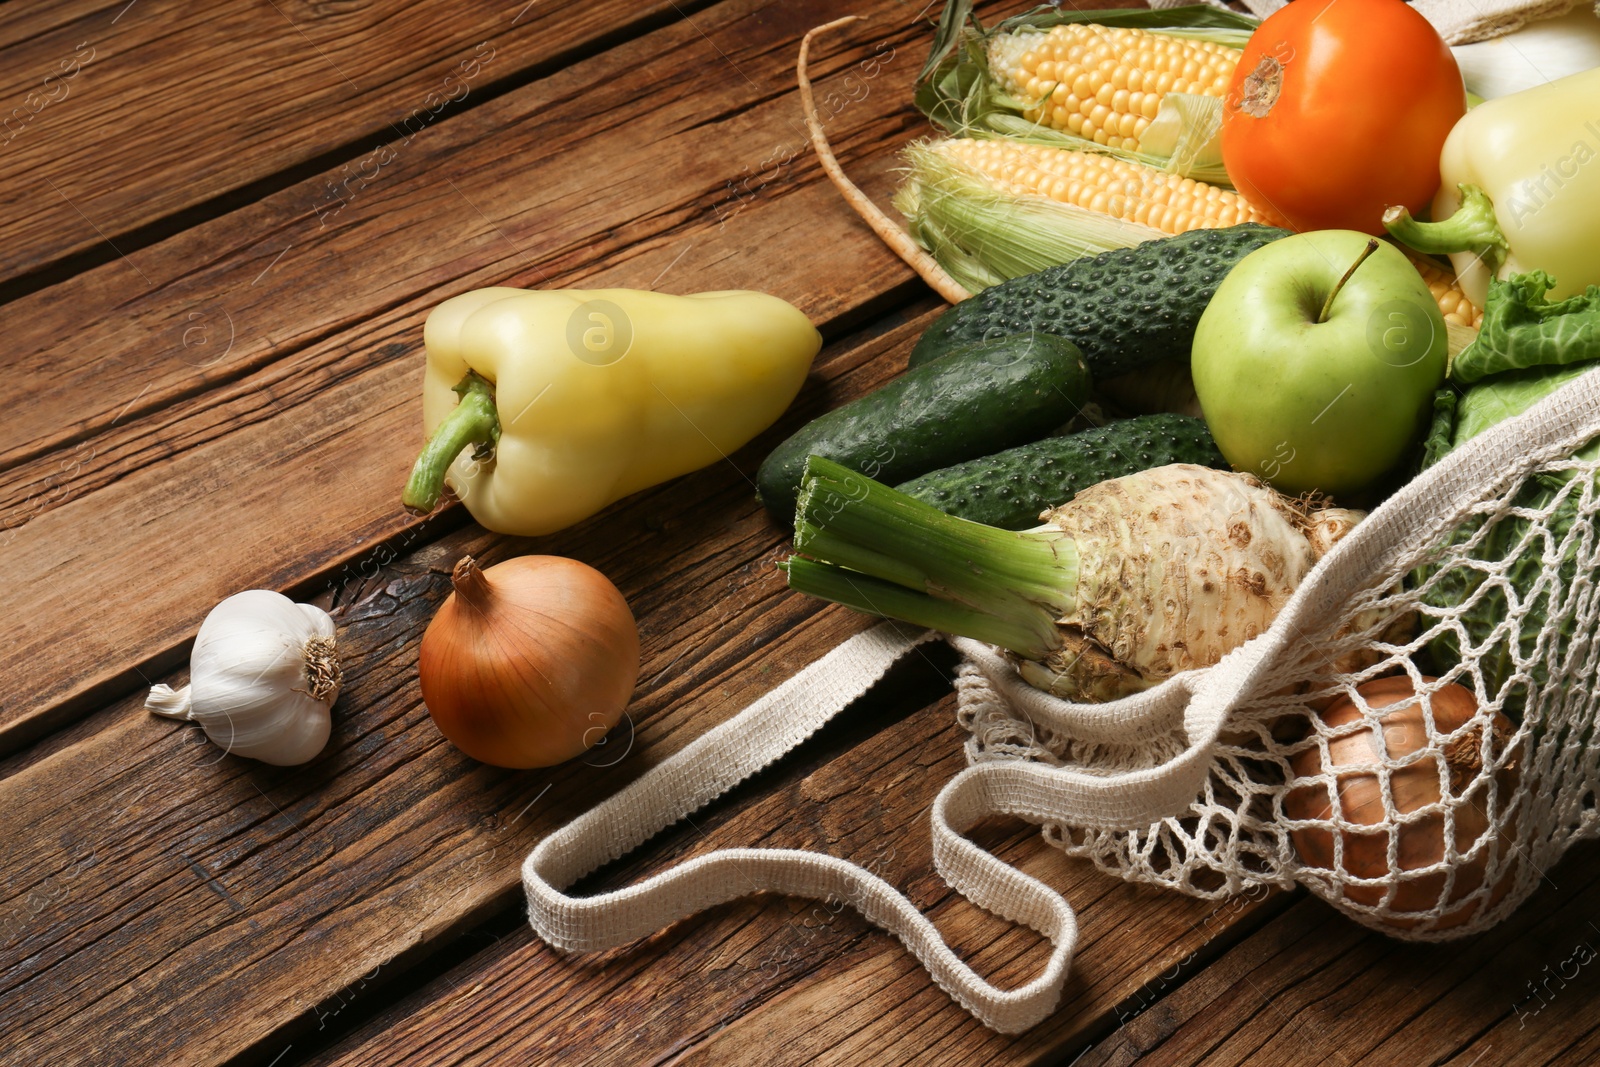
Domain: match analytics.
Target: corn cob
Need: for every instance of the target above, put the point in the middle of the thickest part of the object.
(1122, 190)
(1103, 83)
(1453, 303)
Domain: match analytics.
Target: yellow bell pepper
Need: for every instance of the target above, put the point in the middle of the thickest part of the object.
(572, 399)
(1521, 190)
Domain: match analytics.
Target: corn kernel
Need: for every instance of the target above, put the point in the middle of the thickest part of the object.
(1453, 303)
(1123, 69)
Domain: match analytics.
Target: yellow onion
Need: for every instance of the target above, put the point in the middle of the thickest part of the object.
(1421, 843)
(529, 662)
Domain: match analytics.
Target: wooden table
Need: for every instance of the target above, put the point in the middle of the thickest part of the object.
(224, 225)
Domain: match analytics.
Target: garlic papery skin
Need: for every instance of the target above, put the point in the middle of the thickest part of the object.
(262, 676)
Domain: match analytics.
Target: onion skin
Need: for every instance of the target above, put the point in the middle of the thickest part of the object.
(530, 662)
(1415, 786)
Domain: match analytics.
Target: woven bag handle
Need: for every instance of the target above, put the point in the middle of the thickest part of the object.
(763, 733)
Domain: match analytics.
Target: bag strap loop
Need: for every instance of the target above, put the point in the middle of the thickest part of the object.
(761, 734)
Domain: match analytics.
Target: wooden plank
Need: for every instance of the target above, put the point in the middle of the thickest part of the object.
(1312, 986)
(331, 412)
(147, 880)
(106, 103)
(239, 293)
(798, 982)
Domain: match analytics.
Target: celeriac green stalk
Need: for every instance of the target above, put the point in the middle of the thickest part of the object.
(847, 518)
(874, 596)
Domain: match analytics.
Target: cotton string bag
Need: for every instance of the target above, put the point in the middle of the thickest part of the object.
(1183, 786)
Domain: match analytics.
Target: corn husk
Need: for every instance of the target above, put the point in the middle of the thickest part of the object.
(956, 92)
(1187, 133)
(982, 236)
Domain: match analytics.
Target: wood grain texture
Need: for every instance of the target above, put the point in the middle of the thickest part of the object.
(289, 463)
(235, 405)
(149, 880)
(549, 181)
(1313, 987)
(789, 982)
(114, 115)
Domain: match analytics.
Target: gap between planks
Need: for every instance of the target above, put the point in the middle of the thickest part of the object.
(340, 865)
(354, 382)
(848, 994)
(98, 226)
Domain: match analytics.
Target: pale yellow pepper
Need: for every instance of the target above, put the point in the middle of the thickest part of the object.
(544, 406)
(1520, 190)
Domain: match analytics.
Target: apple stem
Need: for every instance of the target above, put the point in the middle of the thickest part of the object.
(1327, 305)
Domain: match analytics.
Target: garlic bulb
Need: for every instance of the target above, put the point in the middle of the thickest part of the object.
(262, 676)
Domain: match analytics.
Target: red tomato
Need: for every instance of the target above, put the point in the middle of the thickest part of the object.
(1338, 109)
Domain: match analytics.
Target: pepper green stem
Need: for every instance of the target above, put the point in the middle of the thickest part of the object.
(473, 422)
(910, 561)
(1473, 228)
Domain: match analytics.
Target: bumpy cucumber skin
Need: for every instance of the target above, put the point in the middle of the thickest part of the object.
(1125, 309)
(974, 400)
(1010, 489)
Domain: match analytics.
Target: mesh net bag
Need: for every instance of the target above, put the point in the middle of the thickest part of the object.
(1427, 816)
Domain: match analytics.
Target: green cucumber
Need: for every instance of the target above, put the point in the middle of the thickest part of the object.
(1125, 309)
(969, 402)
(1010, 489)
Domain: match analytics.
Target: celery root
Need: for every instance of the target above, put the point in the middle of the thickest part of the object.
(1135, 580)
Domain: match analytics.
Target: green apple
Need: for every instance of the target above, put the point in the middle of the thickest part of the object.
(1317, 360)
